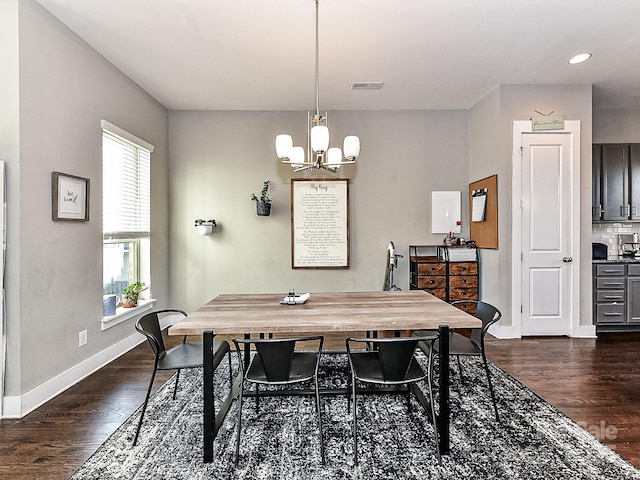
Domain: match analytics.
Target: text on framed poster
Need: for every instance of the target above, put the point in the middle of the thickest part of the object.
(320, 223)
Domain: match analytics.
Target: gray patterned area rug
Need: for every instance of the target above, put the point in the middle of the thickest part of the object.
(532, 441)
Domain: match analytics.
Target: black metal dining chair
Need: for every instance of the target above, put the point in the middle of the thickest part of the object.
(184, 355)
(460, 345)
(389, 362)
(276, 362)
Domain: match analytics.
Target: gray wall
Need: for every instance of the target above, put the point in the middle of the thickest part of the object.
(10, 151)
(484, 161)
(219, 158)
(616, 126)
(518, 102)
(54, 271)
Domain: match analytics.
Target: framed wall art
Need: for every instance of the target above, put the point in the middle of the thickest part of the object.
(320, 223)
(69, 197)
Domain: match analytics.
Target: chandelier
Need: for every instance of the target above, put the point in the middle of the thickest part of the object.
(318, 155)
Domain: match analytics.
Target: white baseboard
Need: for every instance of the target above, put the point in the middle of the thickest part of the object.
(507, 331)
(18, 406)
(502, 331)
(585, 331)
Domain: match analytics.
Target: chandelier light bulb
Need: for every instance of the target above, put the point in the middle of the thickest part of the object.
(334, 157)
(284, 145)
(351, 147)
(297, 155)
(319, 139)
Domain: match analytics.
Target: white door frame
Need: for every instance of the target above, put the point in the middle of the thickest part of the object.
(572, 128)
(3, 240)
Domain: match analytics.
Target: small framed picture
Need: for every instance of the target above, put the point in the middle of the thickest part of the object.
(69, 198)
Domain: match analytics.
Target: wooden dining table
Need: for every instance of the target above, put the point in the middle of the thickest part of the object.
(322, 313)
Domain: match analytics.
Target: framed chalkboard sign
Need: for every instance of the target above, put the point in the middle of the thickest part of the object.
(320, 223)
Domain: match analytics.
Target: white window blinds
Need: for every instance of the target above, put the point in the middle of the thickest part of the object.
(126, 190)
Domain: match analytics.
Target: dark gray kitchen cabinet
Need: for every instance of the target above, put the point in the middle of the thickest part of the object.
(609, 281)
(596, 179)
(616, 296)
(616, 182)
(634, 182)
(633, 294)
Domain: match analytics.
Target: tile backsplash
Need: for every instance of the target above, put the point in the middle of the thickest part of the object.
(607, 233)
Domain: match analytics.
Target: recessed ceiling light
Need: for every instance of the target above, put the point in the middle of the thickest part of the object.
(582, 57)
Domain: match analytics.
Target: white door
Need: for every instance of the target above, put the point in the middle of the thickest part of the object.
(549, 232)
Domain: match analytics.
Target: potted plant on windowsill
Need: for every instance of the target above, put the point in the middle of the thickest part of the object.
(205, 227)
(131, 294)
(263, 204)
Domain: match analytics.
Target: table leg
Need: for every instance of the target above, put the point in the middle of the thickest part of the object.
(211, 420)
(443, 417)
(208, 407)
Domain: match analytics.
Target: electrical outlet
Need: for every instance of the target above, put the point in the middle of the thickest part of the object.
(82, 338)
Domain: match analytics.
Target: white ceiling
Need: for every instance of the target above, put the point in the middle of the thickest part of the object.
(430, 54)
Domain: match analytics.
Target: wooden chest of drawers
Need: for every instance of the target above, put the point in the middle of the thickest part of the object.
(447, 280)
(463, 281)
(431, 276)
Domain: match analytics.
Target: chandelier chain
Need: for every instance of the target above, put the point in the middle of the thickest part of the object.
(317, 63)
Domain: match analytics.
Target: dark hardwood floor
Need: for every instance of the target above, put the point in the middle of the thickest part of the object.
(595, 382)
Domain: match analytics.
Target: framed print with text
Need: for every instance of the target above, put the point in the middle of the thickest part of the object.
(69, 198)
(320, 223)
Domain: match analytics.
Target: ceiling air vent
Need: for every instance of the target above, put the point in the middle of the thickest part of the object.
(366, 85)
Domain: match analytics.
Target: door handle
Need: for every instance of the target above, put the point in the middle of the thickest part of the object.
(567, 259)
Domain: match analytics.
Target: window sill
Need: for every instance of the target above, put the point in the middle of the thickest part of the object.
(124, 314)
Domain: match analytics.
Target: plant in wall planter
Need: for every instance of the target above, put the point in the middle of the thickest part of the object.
(131, 294)
(263, 203)
(205, 227)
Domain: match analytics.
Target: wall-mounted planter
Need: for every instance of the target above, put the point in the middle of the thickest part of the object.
(263, 203)
(263, 209)
(205, 227)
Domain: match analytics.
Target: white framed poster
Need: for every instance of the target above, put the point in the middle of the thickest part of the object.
(69, 197)
(320, 223)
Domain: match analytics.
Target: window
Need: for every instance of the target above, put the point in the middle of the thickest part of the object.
(126, 209)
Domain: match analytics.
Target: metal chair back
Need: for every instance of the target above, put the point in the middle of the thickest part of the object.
(395, 358)
(276, 359)
(489, 315)
(149, 326)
